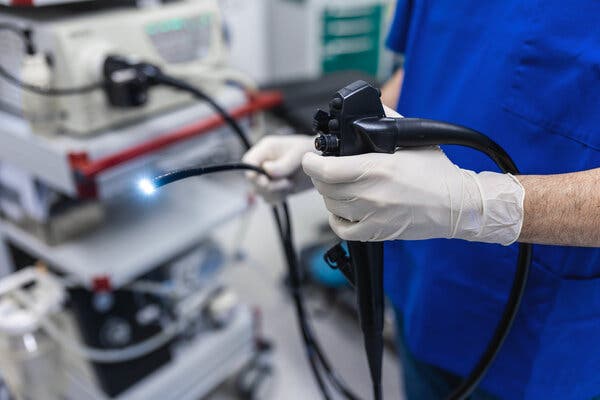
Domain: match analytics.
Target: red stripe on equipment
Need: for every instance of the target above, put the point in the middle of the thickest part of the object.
(89, 169)
(21, 3)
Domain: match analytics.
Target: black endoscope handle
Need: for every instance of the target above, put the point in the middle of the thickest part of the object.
(337, 136)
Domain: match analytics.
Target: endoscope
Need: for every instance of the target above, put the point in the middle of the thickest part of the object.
(356, 124)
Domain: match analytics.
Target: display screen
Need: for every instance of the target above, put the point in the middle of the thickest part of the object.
(180, 40)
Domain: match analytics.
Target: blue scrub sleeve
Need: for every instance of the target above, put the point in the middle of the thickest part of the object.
(397, 35)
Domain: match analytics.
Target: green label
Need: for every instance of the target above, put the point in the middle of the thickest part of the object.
(177, 24)
(351, 38)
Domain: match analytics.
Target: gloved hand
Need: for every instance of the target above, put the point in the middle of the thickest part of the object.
(281, 157)
(416, 194)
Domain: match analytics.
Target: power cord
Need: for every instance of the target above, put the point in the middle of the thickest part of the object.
(47, 91)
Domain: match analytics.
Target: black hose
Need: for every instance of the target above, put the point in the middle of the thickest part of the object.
(294, 281)
(417, 132)
(468, 385)
(314, 351)
(296, 290)
(174, 176)
(413, 132)
(199, 94)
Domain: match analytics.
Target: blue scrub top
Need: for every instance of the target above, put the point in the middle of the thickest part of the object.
(526, 73)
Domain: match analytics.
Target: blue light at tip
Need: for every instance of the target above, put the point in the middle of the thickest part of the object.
(146, 186)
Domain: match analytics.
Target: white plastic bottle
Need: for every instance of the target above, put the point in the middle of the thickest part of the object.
(39, 110)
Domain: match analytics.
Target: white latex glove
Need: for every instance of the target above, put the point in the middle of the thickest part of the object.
(416, 194)
(281, 157)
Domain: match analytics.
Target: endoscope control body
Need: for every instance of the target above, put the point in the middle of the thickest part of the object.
(338, 136)
(356, 124)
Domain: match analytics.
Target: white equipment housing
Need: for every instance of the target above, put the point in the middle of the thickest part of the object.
(184, 38)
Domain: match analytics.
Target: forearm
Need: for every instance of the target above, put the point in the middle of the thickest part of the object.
(562, 209)
(390, 91)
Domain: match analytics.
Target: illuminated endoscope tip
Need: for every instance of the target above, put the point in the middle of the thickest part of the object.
(146, 186)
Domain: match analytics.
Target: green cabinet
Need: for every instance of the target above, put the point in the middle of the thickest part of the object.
(351, 38)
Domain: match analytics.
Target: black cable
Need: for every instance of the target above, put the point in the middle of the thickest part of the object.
(25, 35)
(178, 175)
(336, 381)
(285, 235)
(418, 132)
(422, 132)
(199, 94)
(295, 291)
(314, 352)
(303, 320)
(294, 279)
(415, 132)
(48, 91)
(315, 355)
(468, 385)
(285, 232)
